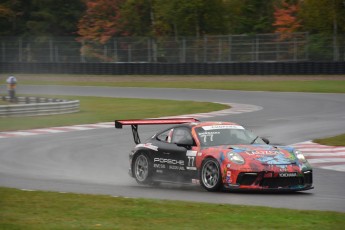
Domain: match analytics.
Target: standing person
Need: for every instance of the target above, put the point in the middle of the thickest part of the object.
(11, 87)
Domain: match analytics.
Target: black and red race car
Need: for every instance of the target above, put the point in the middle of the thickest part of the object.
(217, 155)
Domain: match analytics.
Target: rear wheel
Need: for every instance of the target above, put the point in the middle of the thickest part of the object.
(210, 175)
(142, 169)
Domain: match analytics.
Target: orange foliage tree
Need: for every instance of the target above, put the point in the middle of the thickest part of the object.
(101, 22)
(286, 21)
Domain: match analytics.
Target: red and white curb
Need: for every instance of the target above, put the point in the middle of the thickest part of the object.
(235, 109)
(322, 156)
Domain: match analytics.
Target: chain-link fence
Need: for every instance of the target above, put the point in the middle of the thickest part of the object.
(207, 49)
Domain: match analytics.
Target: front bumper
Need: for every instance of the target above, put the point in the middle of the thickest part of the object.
(272, 181)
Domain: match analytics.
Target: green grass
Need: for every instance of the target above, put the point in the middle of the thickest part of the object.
(321, 86)
(49, 210)
(103, 109)
(280, 83)
(332, 141)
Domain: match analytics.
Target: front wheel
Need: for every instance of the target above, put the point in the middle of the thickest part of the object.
(141, 169)
(210, 175)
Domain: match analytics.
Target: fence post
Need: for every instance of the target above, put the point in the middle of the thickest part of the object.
(51, 50)
(307, 46)
(205, 48)
(105, 52)
(20, 49)
(183, 53)
(148, 50)
(220, 49)
(3, 51)
(257, 49)
(56, 52)
(129, 52)
(82, 56)
(115, 51)
(294, 49)
(230, 48)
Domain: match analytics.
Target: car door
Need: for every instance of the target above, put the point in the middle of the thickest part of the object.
(173, 156)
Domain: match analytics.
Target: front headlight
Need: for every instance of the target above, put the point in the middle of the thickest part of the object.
(300, 156)
(236, 158)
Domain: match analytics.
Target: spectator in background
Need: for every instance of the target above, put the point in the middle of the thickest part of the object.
(11, 87)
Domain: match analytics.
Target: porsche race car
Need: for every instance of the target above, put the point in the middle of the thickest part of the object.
(217, 155)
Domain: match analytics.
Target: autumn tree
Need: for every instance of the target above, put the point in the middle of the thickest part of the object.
(101, 20)
(286, 21)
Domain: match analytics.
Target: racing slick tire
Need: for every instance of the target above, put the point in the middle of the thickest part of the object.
(142, 169)
(210, 175)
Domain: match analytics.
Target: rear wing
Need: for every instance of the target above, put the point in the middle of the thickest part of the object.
(134, 124)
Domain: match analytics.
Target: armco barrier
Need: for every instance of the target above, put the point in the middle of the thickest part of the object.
(236, 68)
(38, 106)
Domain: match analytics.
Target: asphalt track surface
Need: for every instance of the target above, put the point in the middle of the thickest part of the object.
(96, 161)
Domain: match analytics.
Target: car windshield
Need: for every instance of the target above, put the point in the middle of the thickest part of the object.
(226, 135)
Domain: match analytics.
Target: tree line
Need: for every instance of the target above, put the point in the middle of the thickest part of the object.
(95, 23)
(100, 20)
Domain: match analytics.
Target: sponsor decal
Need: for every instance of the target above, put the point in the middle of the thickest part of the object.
(148, 146)
(212, 127)
(287, 174)
(200, 154)
(228, 177)
(208, 133)
(263, 152)
(191, 153)
(159, 166)
(191, 168)
(168, 161)
(176, 167)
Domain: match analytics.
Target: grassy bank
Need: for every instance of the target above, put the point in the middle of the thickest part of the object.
(48, 210)
(332, 141)
(323, 84)
(103, 109)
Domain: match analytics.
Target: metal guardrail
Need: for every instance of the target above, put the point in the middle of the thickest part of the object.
(33, 106)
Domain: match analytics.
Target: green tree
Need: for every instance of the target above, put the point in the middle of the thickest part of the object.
(13, 17)
(137, 18)
(40, 17)
(325, 21)
(54, 18)
(190, 18)
(323, 16)
(251, 16)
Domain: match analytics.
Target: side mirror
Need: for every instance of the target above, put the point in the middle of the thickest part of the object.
(265, 140)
